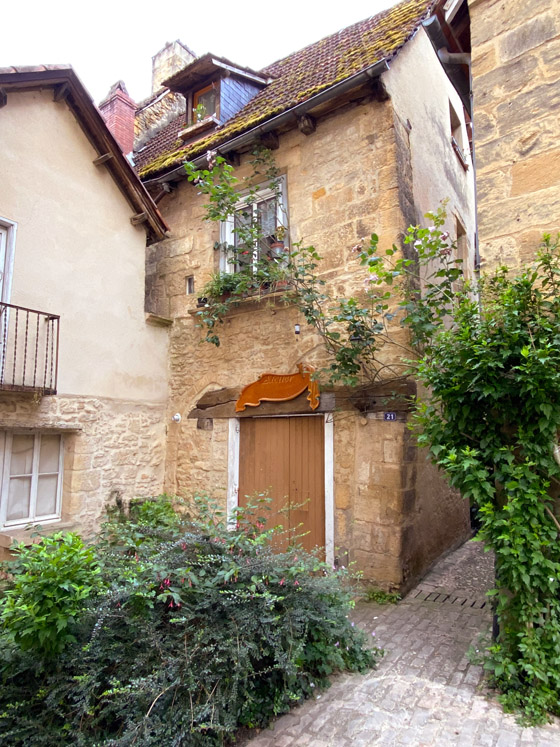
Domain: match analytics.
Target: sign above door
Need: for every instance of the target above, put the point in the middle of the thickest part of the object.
(271, 387)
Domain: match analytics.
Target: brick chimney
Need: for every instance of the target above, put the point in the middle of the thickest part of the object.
(118, 110)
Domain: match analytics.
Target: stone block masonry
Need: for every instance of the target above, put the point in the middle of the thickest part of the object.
(351, 177)
(516, 84)
(112, 448)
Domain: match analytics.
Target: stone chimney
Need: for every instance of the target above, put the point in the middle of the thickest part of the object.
(168, 61)
(118, 110)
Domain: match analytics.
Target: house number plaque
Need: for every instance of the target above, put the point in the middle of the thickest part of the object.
(389, 416)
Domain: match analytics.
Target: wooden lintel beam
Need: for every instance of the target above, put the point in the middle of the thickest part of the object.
(270, 140)
(379, 90)
(139, 218)
(224, 406)
(233, 158)
(307, 124)
(101, 159)
(3, 97)
(61, 92)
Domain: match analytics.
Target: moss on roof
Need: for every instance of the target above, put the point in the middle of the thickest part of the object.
(299, 76)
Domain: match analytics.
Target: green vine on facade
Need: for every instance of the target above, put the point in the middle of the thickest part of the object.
(489, 357)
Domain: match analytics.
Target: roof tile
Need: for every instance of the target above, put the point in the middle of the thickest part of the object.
(296, 78)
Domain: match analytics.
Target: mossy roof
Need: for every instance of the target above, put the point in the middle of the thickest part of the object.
(295, 78)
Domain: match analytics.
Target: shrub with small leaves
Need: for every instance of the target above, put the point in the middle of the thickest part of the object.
(204, 628)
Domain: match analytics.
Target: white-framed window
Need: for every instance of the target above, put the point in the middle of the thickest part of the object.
(8, 230)
(263, 209)
(31, 470)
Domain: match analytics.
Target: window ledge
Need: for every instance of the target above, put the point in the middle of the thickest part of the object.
(255, 301)
(158, 321)
(198, 127)
(9, 535)
(42, 427)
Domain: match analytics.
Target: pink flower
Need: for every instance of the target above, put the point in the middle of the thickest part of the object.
(282, 581)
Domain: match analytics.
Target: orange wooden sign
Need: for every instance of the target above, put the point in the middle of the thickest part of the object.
(280, 388)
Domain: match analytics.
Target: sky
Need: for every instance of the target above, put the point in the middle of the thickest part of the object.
(107, 41)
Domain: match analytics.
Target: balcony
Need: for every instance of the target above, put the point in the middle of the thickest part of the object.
(28, 350)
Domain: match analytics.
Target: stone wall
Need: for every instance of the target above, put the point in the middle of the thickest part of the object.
(112, 448)
(516, 84)
(343, 183)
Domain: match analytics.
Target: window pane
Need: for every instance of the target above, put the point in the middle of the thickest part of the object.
(208, 100)
(46, 495)
(242, 227)
(22, 455)
(50, 452)
(266, 212)
(18, 498)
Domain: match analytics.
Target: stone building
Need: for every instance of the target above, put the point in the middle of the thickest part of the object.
(82, 374)
(516, 86)
(368, 134)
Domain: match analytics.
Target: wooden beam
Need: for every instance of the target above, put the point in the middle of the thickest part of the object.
(139, 218)
(101, 159)
(61, 92)
(233, 158)
(379, 90)
(307, 124)
(270, 140)
(226, 409)
(3, 97)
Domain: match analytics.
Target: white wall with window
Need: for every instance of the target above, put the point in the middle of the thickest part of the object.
(262, 212)
(31, 472)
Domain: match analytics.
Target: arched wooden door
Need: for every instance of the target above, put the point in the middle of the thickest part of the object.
(285, 457)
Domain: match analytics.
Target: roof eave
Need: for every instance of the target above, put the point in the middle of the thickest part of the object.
(373, 71)
(68, 86)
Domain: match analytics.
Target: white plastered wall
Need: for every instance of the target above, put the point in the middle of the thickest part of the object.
(421, 94)
(77, 255)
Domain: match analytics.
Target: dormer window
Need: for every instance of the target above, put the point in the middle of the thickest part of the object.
(213, 103)
(206, 102)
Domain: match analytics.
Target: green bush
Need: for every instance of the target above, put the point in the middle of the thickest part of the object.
(52, 580)
(203, 629)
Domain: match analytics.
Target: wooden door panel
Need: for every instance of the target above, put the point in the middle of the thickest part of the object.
(307, 470)
(285, 457)
(263, 464)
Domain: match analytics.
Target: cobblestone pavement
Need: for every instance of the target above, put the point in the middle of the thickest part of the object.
(425, 692)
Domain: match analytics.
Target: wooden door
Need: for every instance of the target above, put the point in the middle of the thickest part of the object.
(285, 458)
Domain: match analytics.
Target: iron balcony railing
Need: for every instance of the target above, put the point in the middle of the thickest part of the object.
(28, 350)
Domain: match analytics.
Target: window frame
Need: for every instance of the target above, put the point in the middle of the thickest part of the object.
(213, 86)
(10, 229)
(5, 461)
(258, 194)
